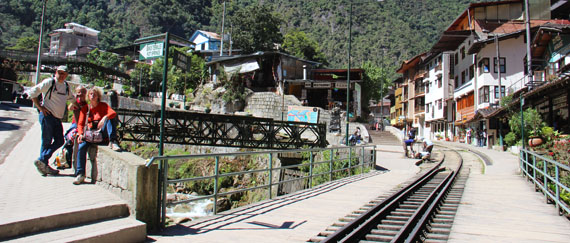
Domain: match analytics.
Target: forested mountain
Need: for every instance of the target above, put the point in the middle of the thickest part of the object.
(384, 32)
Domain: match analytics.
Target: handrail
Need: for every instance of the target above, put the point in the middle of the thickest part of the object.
(364, 159)
(548, 173)
(193, 156)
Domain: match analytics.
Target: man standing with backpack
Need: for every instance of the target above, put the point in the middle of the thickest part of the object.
(55, 92)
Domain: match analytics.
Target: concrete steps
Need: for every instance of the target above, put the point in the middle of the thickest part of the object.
(384, 138)
(107, 222)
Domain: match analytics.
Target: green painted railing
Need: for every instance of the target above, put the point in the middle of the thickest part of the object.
(334, 163)
(545, 173)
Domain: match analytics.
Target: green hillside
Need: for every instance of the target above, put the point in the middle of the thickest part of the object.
(383, 32)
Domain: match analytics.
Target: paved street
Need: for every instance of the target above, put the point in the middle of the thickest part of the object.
(15, 120)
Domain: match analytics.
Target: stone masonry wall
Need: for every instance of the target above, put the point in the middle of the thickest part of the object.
(126, 175)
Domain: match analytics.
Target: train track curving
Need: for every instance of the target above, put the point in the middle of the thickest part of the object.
(422, 210)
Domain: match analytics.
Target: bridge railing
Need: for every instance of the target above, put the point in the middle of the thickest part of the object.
(546, 174)
(270, 177)
(192, 128)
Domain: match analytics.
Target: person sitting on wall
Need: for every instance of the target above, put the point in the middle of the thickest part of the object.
(356, 136)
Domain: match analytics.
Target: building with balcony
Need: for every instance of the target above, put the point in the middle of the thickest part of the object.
(74, 40)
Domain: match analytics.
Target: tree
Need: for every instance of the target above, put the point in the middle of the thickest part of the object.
(375, 82)
(299, 44)
(256, 28)
(29, 43)
(179, 82)
(103, 59)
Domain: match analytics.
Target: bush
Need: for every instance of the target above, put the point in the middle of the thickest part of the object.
(510, 139)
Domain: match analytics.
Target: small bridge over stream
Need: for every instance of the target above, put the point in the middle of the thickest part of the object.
(192, 128)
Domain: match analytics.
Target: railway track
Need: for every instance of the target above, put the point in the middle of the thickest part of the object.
(421, 211)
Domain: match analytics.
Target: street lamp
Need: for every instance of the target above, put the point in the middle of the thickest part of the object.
(348, 70)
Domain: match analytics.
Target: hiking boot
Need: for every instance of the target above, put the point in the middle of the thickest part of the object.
(115, 146)
(51, 171)
(41, 167)
(79, 179)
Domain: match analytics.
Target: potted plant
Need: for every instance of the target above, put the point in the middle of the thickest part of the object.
(534, 121)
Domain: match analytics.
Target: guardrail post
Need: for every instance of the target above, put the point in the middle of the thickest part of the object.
(331, 165)
(164, 185)
(216, 185)
(349, 161)
(311, 169)
(544, 171)
(533, 169)
(362, 162)
(521, 164)
(373, 164)
(557, 188)
(270, 173)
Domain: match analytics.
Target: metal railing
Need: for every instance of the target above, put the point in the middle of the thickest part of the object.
(545, 173)
(516, 85)
(317, 166)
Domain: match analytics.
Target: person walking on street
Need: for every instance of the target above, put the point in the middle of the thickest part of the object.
(55, 91)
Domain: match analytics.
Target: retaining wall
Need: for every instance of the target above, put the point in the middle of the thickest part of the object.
(126, 175)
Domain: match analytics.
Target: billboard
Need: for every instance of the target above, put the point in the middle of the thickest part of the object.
(303, 114)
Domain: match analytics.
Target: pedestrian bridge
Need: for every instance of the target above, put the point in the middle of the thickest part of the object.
(192, 128)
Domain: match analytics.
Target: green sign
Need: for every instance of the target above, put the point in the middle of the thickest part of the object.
(151, 50)
(180, 60)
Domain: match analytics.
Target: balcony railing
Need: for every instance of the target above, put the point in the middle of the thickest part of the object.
(438, 67)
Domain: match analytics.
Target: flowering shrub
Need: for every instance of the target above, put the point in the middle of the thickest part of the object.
(561, 151)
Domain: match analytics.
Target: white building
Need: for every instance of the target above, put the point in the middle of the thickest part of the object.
(437, 93)
(206, 41)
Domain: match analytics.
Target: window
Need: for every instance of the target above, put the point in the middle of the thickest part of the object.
(471, 72)
(439, 104)
(427, 86)
(462, 77)
(439, 82)
(497, 91)
(427, 107)
(456, 81)
(462, 53)
(484, 94)
(484, 65)
(456, 59)
(503, 65)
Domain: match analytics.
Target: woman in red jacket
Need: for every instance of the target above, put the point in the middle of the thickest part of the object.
(100, 116)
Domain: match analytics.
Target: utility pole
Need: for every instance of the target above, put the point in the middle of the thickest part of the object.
(528, 40)
(500, 86)
(39, 60)
(223, 20)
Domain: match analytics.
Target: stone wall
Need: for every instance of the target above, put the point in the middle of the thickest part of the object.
(271, 105)
(126, 175)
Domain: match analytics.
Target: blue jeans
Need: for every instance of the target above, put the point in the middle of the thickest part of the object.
(52, 136)
(109, 132)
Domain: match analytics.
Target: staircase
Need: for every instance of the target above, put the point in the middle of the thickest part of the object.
(106, 222)
(384, 138)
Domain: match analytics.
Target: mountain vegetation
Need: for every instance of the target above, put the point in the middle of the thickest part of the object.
(383, 32)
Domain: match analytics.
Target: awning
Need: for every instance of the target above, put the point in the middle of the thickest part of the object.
(244, 66)
(465, 119)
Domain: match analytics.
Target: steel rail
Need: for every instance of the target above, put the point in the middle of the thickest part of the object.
(422, 223)
(360, 226)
